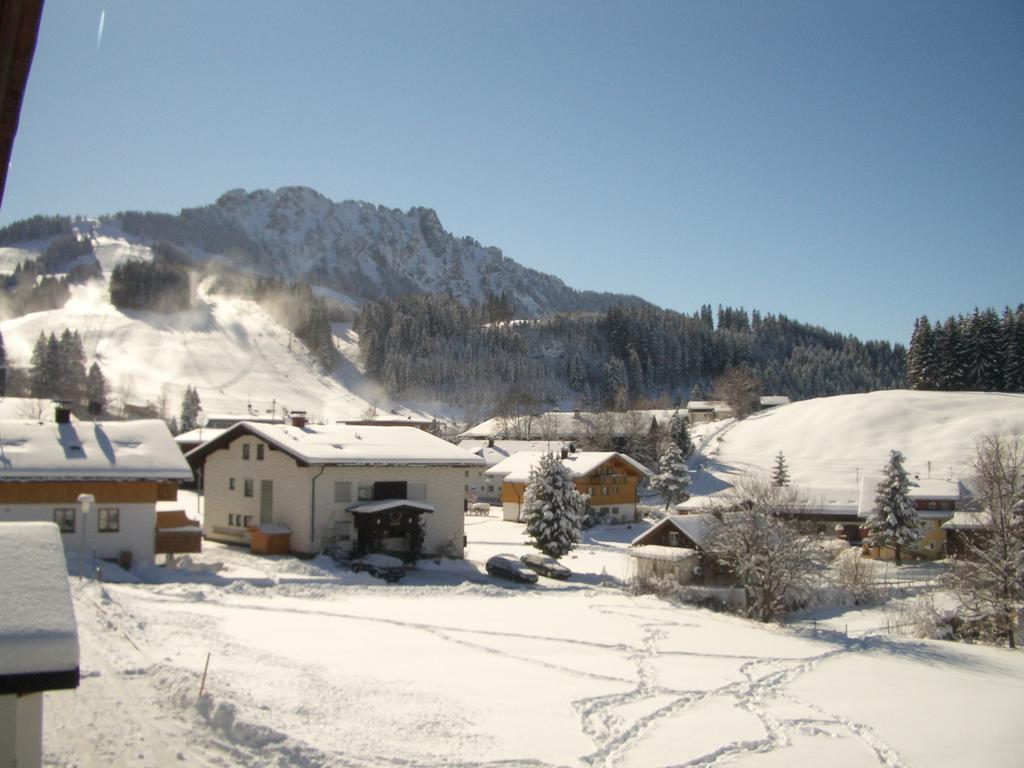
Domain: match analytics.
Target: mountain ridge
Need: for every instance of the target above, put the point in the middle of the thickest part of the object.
(358, 249)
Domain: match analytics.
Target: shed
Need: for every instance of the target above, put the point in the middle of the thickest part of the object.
(270, 539)
(38, 635)
(177, 533)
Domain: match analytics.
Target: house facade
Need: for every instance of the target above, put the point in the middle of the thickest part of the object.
(935, 501)
(98, 481)
(357, 488)
(611, 480)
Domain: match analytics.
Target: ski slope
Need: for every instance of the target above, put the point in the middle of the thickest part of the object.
(237, 356)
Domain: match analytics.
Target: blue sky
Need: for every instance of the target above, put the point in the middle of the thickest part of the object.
(850, 164)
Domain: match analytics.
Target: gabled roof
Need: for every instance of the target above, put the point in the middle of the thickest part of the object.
(344, 445)
(502, 449)
(85, 450)
(570, 425)
(697, 528)
(38, 633)
(516, 468)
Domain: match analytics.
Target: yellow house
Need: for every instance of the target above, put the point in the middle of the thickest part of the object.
(610, 479)
(935, 502)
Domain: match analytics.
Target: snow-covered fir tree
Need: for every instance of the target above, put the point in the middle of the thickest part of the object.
(673, 479)
(96, 390)
(552, 507)
(679, 430)
(189, 409)
(893, 521)
(780, 473)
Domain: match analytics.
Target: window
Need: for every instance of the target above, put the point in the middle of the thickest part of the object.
(247, 490)
(673, 538)
(231, 520)
(245, 451)
(259, 452)
(933, 505)
(343, 491)
(416, 491)
(365, 491)
(248, 520)
(65, 519)
(108, 520)
(467, 473)
(231, 483)
(615, 511)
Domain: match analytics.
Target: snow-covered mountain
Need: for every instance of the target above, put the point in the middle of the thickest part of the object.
(357, 249)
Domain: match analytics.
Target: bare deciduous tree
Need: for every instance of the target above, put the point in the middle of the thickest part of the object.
(989, 577)
(764, 548)
(739, 388)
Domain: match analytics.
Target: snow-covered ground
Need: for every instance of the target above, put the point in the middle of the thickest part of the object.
(830, 443)
(311, 665)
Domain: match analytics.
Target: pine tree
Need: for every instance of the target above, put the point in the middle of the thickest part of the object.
(780, 474)
(893, 522)
(38, 385)
(673, 480)
(189, 409)
(679, 430)
(921, 356)
(96, 390)
(552, 507)
(71, 364)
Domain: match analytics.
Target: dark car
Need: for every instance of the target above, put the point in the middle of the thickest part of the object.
(385, 567)
(508, 567)
(545, 566)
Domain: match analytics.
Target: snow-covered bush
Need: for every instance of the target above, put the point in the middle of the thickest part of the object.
(855, 575)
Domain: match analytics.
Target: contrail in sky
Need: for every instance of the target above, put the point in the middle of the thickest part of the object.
(99, 32)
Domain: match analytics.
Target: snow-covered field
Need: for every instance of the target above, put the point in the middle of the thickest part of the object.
(314, 666)
(830, 443)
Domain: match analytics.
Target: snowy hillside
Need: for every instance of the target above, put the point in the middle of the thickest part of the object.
(829, 443)
(233, 352)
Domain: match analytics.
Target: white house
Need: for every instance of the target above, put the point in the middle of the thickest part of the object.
(38, 636)
(483, 487)
(98, 481)
(361, 488)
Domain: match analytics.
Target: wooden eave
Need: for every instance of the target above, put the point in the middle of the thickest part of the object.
(19, 30)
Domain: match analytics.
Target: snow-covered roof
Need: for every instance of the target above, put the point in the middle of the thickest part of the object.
(341, 444)
(199, 435)
(384, 505)
(709, 405)
(770, 401)
(502, 449)
(38, 633)
(930, 489)
(661, 552)
(516, 468)
(968, 521)
(696, 527)
(108, 450)
(569, 425)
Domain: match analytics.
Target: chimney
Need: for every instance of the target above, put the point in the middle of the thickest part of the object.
(298, 419)
(62, 411)
(490, 442)
(576, 413)
(565, 452)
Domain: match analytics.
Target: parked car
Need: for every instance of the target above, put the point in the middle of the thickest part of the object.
(545, 566)
(386, 567)
(508, 567)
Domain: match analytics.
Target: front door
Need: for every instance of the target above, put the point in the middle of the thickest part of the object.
(266, 501)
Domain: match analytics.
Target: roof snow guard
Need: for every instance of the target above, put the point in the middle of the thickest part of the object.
(38, 633)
